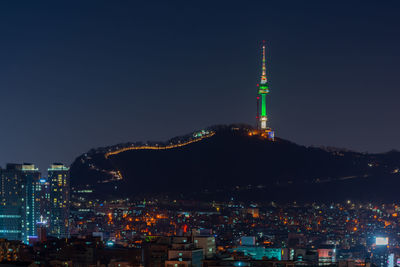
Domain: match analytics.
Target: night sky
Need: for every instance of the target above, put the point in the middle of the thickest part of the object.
(75, 75)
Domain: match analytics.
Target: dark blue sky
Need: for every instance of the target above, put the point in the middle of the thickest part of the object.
(80, 74)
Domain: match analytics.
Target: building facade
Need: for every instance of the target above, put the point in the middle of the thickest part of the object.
(58, 176)
(11, 202)
(19, 210)
(30, 203)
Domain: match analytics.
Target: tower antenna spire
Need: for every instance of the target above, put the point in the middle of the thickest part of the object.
(264, 68)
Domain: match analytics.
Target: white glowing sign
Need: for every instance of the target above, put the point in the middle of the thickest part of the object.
(381, 241)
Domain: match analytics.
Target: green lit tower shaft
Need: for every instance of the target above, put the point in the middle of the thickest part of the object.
(263, 91)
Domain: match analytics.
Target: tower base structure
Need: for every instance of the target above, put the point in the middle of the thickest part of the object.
(265, 133)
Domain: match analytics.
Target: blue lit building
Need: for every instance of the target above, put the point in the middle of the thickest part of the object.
(262, 253)
(11, 198)
(380, 252)
(18, 203)
(30, 202)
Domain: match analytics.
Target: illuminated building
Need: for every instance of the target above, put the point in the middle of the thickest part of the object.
(247, 262)
(19, 207)
(326, 255)
(11, 203)
(253, 212)
(207, 243)
(30, 206)
(248, 240)
(43, 197)
(259, 253)
(380, 252)
(184, 255)
(263, 90)
(59, 200)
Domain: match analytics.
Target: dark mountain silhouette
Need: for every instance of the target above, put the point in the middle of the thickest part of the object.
(231, 163)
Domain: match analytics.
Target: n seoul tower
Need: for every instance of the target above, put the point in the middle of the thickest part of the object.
(263, 90)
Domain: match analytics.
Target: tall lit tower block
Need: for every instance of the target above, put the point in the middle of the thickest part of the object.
(18, 203)
(59, 200)
(11, 202)
(30, 206)
(43, 197)
(262, 97)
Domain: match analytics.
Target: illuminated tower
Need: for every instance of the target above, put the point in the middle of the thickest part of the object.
(263, 90)
(18, 203)
(59, 200)
(30, 203)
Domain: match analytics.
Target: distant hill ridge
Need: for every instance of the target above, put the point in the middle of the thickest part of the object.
(225, 158)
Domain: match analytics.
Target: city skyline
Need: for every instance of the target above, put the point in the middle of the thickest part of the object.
(199, 134)
(79, 76)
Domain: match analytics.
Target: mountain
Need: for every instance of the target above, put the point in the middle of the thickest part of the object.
(229, 161)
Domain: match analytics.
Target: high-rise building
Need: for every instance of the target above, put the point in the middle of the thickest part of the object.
(59, 200)
(263, 90)
(43, 196)
(30, 202)
(380, 252)
(19, 210)
(11, 202)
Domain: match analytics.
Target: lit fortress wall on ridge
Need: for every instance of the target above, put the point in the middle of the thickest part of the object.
(197, 139)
